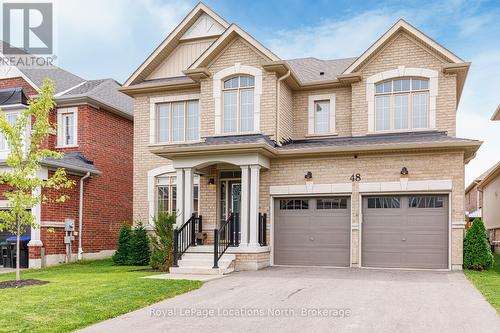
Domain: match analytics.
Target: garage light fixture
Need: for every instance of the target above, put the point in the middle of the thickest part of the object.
(211, 181)
(308, 175)
(404, 171)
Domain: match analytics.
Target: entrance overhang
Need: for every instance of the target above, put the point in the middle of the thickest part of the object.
(201, 161)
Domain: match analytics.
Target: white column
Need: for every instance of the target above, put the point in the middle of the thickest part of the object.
(180, 197)
(188, 193)
(254, 205)
(244, 209)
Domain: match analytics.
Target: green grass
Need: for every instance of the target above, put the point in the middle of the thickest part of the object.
(488, 282)
(80, 294)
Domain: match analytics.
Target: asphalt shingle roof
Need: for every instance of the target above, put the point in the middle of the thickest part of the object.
(308, 69)
(73, 161)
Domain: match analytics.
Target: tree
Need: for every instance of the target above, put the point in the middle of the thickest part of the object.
(477, 250)
(162, 241)
(26, 153)
(121, 255)
(139, 246)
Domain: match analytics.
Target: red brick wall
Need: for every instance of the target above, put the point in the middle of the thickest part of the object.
(471, 200)
(105, 139)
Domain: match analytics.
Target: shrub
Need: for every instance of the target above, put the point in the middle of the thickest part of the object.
(121, 255)
(477, 251)
(162, 241)
(139, 247)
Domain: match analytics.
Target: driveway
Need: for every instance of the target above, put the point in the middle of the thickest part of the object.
(279, 299)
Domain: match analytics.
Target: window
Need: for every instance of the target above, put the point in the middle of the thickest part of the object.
(321, 117)
(238, 104)
(402, 104)
(294, 204)
(177, 121)
(321, 114)
(426, 202)
(166, 193)
(67, 127)
(11, 118)
(333, 203)
(384, 202)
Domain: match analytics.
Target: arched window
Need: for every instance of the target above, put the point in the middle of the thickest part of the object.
(238, 104)
(402, 104)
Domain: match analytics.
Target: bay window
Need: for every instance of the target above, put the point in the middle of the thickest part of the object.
(177, 121)
(402, 104)
(238, 104)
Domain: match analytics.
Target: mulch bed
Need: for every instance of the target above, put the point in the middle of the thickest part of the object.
(22, 283)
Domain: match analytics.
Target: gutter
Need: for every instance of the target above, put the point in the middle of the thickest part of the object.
(83, 99)
(278, 97)
(80, 217)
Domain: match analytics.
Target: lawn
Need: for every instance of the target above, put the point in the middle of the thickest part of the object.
(488, 283)
(81, 294)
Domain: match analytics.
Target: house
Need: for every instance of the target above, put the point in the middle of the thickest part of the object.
(345, 162)
(94, 131)
(474, 196)
(488, 188)
(496, 114)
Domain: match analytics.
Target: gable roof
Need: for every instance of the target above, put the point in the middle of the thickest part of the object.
(309, 69)
(481, 177)
(496, 114)
(491, 174)
(402, 25)
(228, 35)
(172, 40)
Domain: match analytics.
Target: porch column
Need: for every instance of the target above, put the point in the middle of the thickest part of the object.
(188, 193)
(180, 197)
(254, 205)
(244, 209)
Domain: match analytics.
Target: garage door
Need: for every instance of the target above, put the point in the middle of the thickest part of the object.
(405, 231)
(312, 231)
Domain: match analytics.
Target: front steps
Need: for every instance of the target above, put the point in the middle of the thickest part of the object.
(200, 260)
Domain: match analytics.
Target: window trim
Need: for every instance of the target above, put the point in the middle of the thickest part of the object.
(311, 125)
(219, 77)
(2, 137)
(153, 124)
(60, 129)
(402, 72)
(238, 91)
(170, 186)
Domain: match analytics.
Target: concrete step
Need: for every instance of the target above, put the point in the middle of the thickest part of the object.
(201, 249)
(207, 256)
(201, 270)
(185, 262)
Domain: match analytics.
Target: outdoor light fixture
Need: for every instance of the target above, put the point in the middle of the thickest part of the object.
(404, 171)
(308, 175)
(211, 181)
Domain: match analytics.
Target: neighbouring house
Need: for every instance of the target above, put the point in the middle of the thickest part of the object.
(307, 162)
(94, 131)
(488, 189)
(474, 196)
(496, 114)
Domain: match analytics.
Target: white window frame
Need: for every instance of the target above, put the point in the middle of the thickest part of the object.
(403, 72)
(153, 124)
(238, 91)
(3, 140)
(312, 100)
(219, 77)
(60, 128)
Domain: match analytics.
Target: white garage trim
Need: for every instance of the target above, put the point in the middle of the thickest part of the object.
(311, 188)
(405, 185)
(404, 193)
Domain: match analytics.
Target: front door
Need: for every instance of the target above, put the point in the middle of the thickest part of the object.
(230, 200)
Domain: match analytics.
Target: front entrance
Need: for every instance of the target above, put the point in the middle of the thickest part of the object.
(230, 197)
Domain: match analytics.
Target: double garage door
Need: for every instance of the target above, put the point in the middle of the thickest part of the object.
(397, 231)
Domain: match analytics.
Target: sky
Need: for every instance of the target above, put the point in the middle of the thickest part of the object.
(111, 38)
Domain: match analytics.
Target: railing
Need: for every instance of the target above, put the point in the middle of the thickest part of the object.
(185, 236)
(263, 229)
(224, 237)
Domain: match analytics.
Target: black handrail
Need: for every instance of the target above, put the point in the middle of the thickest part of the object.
(223, 238)
(185, 236)
(263, 229)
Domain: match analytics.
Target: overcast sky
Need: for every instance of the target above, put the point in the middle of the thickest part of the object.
(111, 38)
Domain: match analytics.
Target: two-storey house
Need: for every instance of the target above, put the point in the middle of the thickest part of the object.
(94, 124)
(349, 162)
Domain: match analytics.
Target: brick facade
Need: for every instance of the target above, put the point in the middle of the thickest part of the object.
(106, 139)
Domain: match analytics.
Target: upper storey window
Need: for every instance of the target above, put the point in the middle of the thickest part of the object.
(67, 127)
(321, 115)
(177, 121)
(238, 104)
(402, 104)
(11, 118)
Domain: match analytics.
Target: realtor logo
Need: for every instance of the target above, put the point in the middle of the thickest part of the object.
(27, 26)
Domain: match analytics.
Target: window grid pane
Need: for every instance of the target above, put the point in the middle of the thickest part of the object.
(162, 117)
(246, 110)
(401, 111)
(178, 121)
(322, 117)
(420, 108)
(383, 112)
(192, 121)
(230, 111)
(384, 202)
(69, 128)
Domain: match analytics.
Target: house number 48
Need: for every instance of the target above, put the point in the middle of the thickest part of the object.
(356, 177)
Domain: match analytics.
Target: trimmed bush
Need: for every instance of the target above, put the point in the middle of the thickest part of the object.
(477, 251)
(121, 255)
(162, 241)
(139, 247)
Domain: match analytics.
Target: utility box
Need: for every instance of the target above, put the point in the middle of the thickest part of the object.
(69, 225)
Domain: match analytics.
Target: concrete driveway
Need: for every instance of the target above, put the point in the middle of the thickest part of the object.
(282, 299)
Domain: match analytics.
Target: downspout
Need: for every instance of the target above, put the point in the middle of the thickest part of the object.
(80, 217)
(278, 96)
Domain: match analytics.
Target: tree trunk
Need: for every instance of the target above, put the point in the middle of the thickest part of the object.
(18, 241)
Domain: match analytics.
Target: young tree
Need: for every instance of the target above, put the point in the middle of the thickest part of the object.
(121, 255)
(162, 241)
(25, 139)
(477, 250)
(139, 246)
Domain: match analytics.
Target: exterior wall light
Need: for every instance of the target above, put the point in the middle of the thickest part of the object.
(308, 175)
(404, 171)
(211, 181)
